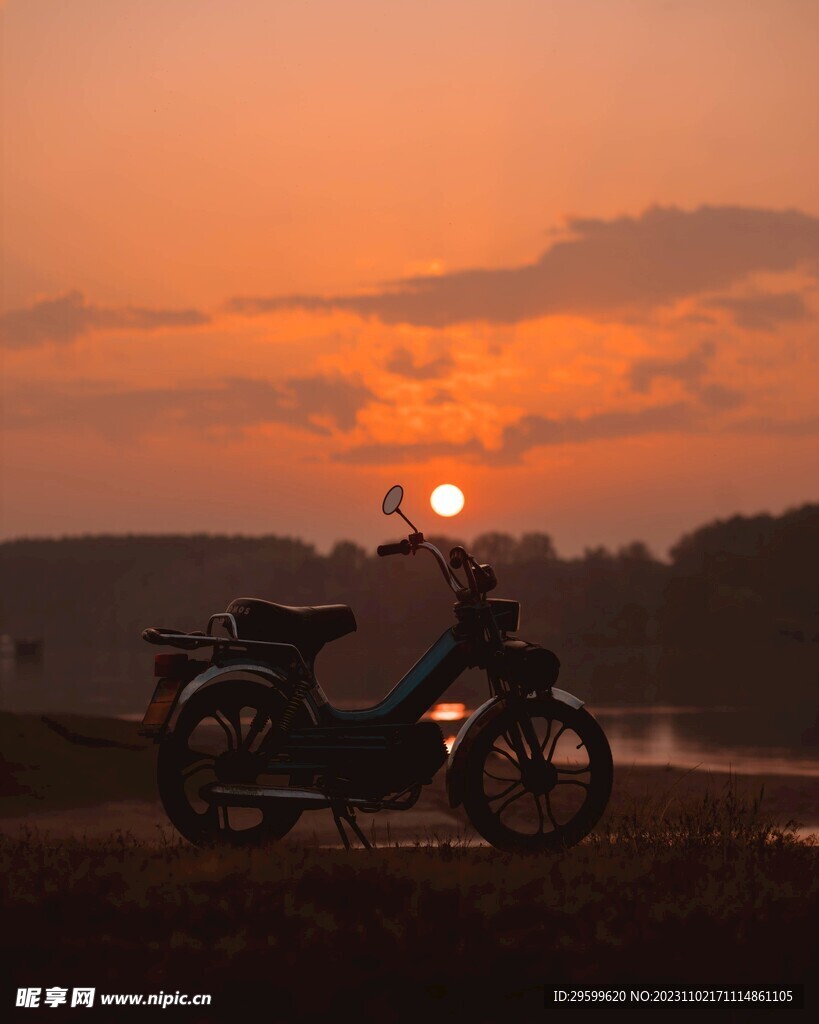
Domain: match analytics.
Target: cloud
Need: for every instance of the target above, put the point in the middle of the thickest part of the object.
(385, 454)
(761, 311)
(769, 426)
(696, 320)
(403, 364)
(68, 317)
(688, 369)
(230, 408)
(605, 268)
(335, 397)
(535, 431)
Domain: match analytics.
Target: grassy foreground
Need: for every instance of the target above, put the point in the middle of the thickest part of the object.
(692, 879)
(711, 894)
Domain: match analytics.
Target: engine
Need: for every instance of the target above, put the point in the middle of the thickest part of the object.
(370, 759)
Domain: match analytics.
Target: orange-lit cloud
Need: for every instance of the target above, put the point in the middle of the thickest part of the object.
(69, 316)
(402, 363)
(689, 369)
(316, 404)
(536, 431)
(617, 338)
(624, 265)
(758, 311)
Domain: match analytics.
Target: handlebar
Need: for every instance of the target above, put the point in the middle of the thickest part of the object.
(403, 547)
(479, 578)
(450, 577)
(459, 557)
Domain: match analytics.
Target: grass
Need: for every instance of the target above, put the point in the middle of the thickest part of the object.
(691, 878)
(726, 816)
(694, 890)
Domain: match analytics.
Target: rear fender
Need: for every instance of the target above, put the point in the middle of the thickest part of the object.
(256, 672)
(469, 732)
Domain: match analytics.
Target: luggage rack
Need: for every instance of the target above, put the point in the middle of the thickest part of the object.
(196, 639)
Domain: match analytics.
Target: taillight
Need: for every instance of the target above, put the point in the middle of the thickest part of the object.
(171, 666)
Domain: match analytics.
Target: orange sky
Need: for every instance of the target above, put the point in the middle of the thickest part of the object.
(262, 260)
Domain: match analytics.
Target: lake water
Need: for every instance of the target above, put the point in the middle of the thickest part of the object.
(710, 739)
(719, 739)
(685, 737)
(764, 740)
(714, 739)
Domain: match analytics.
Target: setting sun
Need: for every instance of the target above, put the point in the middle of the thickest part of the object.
(447, 500)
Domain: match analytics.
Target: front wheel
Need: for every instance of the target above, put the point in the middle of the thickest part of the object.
(538, 777)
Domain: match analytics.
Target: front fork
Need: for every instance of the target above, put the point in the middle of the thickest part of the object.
(535, 757)
(520, 731)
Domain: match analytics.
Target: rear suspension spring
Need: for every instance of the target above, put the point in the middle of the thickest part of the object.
(296, 697)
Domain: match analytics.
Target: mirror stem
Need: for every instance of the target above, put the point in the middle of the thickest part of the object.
(414, 527)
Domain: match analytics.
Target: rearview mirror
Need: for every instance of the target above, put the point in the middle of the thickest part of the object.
(392, 500)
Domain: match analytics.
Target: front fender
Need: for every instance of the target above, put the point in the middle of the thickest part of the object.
(471, 729)
(264, 674)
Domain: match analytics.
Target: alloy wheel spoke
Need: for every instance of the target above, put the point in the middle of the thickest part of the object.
(228, 729)
(498, 778)
(573, 771)
(558, 734)
(510, 800)
(197, 766)
(555, 825)
(508, 756)
(503, 793)
(572, 782)
(257, 727)
(548, 735)
(539, 813)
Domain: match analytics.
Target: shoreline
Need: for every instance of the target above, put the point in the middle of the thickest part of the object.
(97, 775)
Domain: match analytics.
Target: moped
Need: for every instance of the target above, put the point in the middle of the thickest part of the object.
(248, 739)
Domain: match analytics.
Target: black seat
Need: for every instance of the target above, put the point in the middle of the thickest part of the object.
(307, 627)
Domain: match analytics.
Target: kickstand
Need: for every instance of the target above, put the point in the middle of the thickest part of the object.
(342, 813)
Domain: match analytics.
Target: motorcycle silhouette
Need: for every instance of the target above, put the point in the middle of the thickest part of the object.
(248, 740)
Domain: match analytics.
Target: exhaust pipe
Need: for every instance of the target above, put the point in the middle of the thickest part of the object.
(239, 794)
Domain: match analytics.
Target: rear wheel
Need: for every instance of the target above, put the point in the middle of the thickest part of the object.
(538, 777)
(214, 740)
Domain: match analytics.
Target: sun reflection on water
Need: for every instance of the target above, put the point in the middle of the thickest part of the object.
(448, 713)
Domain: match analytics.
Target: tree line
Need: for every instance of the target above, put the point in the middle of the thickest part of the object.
(730, 618)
